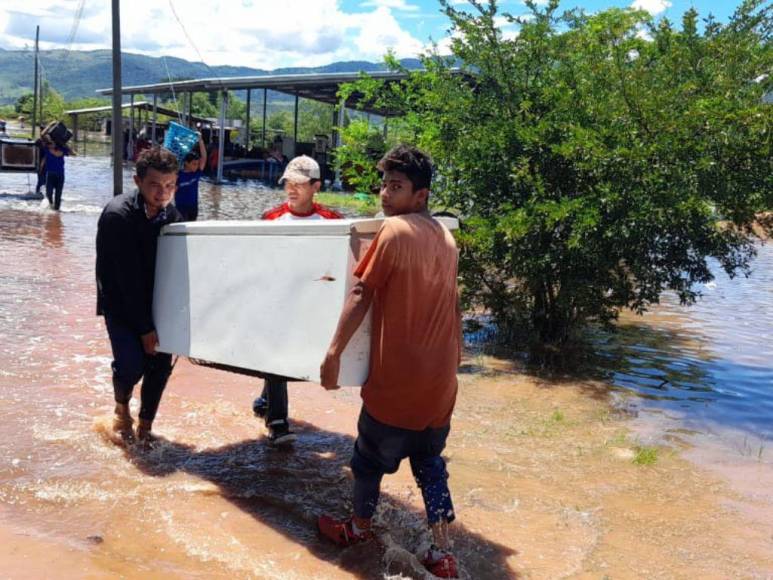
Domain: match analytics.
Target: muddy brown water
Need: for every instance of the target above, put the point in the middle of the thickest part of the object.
(541, 469)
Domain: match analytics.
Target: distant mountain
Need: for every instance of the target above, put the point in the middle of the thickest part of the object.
(77, 74)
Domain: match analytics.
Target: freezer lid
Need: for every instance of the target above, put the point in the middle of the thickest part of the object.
(273, 228)
(341, 227)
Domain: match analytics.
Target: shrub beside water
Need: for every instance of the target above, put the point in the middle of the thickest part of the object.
(593, 155)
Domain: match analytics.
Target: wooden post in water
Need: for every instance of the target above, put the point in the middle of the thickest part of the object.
(117, 132)
(35, 91)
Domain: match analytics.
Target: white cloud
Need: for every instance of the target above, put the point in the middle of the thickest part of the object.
(378, 32)
(444, 44)
(253, 33)
(654, 7)
(395, 4)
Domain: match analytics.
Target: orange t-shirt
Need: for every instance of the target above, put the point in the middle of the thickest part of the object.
(411, 265)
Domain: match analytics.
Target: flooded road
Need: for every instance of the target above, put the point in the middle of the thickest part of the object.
(541, 471)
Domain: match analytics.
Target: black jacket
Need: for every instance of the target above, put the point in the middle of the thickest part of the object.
(126, 260)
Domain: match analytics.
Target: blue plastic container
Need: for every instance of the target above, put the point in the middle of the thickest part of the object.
(180, 140)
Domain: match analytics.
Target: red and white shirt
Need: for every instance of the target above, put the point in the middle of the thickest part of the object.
(318, 212)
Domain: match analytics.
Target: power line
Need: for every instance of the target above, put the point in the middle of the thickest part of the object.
(75, 24)
(171, 86)
(193, 44)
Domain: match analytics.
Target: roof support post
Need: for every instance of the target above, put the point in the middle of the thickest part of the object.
(130, 152)
(155, 118)
(265, 105)
(188, 121)
(116, 125)
(35, 119)
(246, 134)
(334, 132)
(338, 127)
(74, 119)
(221, 137)
(295, 128)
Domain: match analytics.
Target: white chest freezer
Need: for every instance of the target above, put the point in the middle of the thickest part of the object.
(261, 295)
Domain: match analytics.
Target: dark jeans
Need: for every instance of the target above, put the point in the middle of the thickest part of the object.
(54, 186)
(275, 392)
(41, 181)
(380, 448)
(130, 364)
(189, 213)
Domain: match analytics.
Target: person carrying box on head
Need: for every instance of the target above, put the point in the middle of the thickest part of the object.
(408, 275)
(53, 168)
(186, 199)
(302, 181)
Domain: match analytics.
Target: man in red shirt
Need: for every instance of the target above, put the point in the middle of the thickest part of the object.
(408, 275)
(301, 182)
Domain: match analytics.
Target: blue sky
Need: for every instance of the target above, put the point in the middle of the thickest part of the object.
(423, 19)
(270, 34)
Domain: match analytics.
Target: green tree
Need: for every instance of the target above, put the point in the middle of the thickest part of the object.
(236, 109)
(202, 106)
(594, 156)
(280, 121)
(23, 104)
(314, 118)
(361, 148)
(53, 104)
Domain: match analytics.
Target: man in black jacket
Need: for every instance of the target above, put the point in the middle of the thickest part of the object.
(127, 236)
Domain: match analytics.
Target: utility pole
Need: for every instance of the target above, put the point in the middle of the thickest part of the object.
(35, 91)
(41, 96)
(117, 130)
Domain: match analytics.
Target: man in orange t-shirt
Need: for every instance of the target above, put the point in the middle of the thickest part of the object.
(408, 274)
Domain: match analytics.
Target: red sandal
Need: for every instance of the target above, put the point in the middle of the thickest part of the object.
(340, 532)
(440, 563)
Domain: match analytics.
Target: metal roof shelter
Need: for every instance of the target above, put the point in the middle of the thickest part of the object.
(141, 105)
(132, 106)
(319, 87)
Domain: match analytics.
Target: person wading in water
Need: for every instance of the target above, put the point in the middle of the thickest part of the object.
(127, 237)
(408, 274)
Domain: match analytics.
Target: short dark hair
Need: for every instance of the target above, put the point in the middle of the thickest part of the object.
(192, 156)
(410, 160)
(156, 158)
